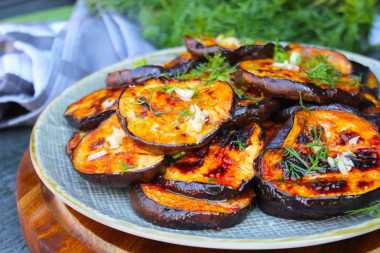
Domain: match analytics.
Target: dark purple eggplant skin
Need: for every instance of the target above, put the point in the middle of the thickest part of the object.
(128, 178)
(198, 50)
(168, 149)
(262, 110)
(283, 205)
(283, 88)
(360, 70)
(202, 190)
(90, 122)
(178, 219)
(125, 77)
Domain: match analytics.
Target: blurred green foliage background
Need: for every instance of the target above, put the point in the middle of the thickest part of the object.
(341, 24)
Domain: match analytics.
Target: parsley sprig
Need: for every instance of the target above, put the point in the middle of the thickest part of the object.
(374, 211)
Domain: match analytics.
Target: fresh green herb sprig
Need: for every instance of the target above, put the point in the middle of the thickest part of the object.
(211, 180)
(321, 153)
(374, 211)
(143, 101)
(140, 63)
(167, 88)
(321, 71)
(241, 145)
(241, 95)
(181, 115)
(282, 179)
(215, 69)
(125, 167)
(280, 55)
(301, 102)
(178, 155)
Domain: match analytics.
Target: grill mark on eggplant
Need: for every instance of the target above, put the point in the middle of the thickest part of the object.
(365, 159)
(192, 160)
(96, 144)
(225, 162)
(328, 187)
(230, 138)
(364, 184)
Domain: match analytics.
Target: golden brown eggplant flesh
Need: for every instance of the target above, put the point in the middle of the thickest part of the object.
(230, 48)
(219, 171)
(370, 107)
(170, 116)
(106, 155)
(92, 109)
(345, 178)
(73, 142)
(167, 209)
(261, 76)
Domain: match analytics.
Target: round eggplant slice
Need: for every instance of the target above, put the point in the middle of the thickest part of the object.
(323, 162)
(128, 77)
(290, 81)
(251, 107)
(167, 209)
(169, 116)
(230, 48)
(106, 155)
(372, 85)
(92, 109)
(183, 57)
(219, 171)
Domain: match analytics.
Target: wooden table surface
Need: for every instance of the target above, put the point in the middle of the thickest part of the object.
(49, 225)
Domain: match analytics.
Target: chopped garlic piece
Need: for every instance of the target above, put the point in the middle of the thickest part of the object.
(286, 65)
(354, 140)
(114, 147)
(199, 118)
(331, 162)
(184, 94)
(108, 103)
(227, 41)
(96, 155)
(341, 166)
(116, 138)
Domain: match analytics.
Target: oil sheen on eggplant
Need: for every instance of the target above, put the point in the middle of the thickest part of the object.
(92, 109)
(279, 81)
(219, 171)
(295, 194)
(106, 155)
(175, 120)
(166, 209)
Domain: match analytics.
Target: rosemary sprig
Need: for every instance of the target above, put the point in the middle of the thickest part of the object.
(125, 167)
(181, 115)
(374, 211)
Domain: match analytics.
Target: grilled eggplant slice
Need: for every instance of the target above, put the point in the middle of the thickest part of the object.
(251, 107)
(370, 107)
(169, 116)
(323, 76)
(372, 85)
(73, 142)
(183, 57)
(230, 48)
(167, 209)
(323, 162)
(92, 109)
(219, 171)
(127, 77)
(106, 155)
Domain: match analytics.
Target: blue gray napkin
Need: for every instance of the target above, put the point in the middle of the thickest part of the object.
(39, 61)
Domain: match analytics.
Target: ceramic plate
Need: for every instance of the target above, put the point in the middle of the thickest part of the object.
(111, 206)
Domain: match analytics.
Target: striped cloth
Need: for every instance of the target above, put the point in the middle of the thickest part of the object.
(38, 61)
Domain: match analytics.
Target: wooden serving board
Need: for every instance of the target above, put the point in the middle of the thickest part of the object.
(49, 225)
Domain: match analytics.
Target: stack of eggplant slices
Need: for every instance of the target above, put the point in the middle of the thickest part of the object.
(230, 125)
